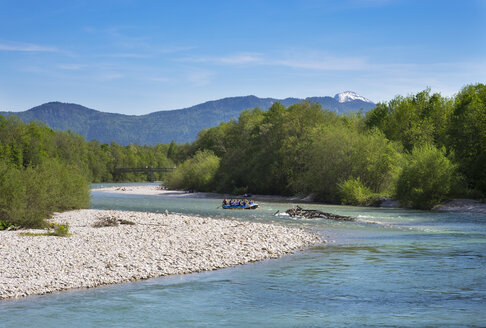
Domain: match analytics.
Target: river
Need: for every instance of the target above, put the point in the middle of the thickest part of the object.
(413, 269)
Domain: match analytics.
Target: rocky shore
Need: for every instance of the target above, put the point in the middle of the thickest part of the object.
(156, 245)
(462, 205)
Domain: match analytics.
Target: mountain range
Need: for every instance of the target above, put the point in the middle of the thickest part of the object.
(181, 125)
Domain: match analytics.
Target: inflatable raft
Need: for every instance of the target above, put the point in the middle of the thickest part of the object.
(253, 206)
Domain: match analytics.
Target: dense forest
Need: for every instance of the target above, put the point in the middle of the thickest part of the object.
(420, 149)
(43, 171)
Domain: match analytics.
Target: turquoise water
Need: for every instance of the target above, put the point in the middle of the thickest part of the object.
(414, 269)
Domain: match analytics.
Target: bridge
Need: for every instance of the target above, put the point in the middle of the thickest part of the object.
(147, 169)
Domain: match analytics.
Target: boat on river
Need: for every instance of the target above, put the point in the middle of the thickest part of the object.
(252, 206)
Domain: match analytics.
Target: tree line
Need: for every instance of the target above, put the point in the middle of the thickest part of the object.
(43, 171)
(420, 149)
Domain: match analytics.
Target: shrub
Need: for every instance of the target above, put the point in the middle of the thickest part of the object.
(195, 173)
(60, 230)
(53, 229)
(338, 154)
(29, 196)
(12, 193)
(4, 225)
(354, 192)
(425, 179)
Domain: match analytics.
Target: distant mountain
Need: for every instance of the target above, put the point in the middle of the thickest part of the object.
(181, 125)
(349, 96)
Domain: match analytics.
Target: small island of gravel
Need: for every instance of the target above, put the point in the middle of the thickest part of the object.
(156, 245)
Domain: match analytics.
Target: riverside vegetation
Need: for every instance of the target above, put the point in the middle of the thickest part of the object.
(43, 171)
(420, 149)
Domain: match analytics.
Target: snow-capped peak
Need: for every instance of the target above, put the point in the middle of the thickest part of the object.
(350, 96)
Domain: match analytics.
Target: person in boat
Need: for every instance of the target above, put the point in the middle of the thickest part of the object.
(225, 201)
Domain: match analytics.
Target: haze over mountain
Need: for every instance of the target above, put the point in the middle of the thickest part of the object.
(180, 125)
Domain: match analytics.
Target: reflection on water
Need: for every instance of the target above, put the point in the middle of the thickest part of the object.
(418, 269)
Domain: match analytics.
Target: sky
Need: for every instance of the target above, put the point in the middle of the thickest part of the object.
(137, 57)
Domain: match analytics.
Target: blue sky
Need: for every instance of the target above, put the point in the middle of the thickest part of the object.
(136, 57)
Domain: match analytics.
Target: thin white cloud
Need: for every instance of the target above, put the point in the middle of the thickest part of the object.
(25, 47)
(123, 40)
(243, 58)
(167, 49)
(133, 45)
(108, 76)
(70, 67)
(158, 79)
(234, 59)
(325, 63)
(295, 60)
(124, 55)
(199, 77)
(148, 52)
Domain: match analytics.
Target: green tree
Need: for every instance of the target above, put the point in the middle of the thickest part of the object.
(41, 171)
(214, 139)
(12, 193)
(339, 152)
(426, 178)
(467, 135)
(178, 153)
(413, 120)
(197, 172)
(241, 160)
(298, 126)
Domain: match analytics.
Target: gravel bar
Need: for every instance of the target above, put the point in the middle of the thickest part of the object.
(157, 245)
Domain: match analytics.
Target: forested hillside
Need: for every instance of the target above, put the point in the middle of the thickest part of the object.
(164, 126)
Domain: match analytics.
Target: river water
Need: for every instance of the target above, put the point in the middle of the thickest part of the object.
(413, 269)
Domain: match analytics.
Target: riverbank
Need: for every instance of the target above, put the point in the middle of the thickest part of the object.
(454, 205)
(157, 245)
(155, 189)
